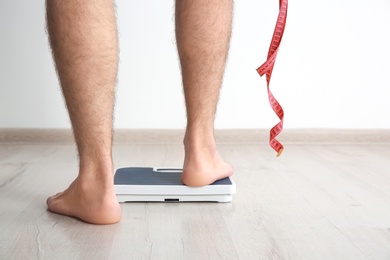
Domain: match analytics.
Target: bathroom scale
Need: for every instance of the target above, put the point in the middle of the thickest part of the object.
(134, 184)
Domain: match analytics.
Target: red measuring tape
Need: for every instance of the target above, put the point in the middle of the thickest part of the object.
(267, 68)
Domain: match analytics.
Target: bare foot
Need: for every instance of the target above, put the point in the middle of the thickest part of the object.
(203, 165)
(89, 199)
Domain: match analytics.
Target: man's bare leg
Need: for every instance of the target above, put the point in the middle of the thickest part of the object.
(203, 30)
(83, 37)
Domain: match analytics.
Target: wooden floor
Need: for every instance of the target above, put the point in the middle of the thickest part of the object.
(314, 202)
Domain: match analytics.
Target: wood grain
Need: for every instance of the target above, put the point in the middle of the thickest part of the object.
(316, 201)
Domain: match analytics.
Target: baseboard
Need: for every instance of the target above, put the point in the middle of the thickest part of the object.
(234, 136)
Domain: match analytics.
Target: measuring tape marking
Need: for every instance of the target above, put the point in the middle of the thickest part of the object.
(267, 68)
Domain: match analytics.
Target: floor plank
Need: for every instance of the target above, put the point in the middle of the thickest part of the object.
(314, 202)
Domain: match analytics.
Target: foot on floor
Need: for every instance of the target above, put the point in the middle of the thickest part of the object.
(91, 200)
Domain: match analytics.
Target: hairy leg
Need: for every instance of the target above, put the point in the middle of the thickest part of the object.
(83, 38)
(203, 30)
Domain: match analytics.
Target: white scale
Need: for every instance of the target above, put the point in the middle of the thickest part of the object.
(164, 184)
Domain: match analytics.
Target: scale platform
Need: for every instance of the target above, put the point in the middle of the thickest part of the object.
(164, 185)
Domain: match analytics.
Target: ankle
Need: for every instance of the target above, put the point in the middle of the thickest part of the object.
(96, 168)
(196, 139)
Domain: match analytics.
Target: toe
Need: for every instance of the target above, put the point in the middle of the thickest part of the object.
(51, 198)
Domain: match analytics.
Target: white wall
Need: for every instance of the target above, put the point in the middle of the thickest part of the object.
(332, 70)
